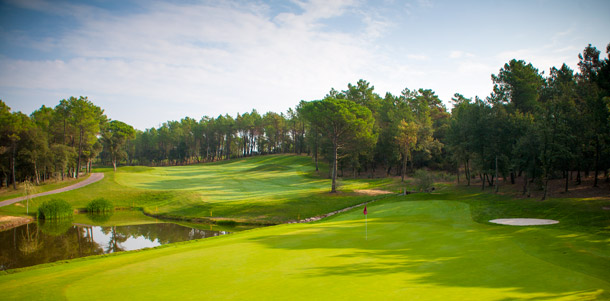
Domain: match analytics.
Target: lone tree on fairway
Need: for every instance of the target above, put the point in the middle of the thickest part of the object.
(344, 123)
(115, 136)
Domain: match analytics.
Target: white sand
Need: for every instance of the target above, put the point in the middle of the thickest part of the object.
(523, 221)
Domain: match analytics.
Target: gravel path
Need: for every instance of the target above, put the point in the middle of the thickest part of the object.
(96, 176)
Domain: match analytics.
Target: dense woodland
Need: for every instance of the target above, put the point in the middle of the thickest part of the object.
(534, 125)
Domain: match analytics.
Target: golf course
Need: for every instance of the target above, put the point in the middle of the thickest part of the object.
(425, 246)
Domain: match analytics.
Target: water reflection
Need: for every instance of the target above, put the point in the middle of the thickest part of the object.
(33, 244)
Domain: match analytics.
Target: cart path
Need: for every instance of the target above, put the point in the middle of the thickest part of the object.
(94, 177)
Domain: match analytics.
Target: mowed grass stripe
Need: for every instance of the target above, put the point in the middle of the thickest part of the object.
(428, 250)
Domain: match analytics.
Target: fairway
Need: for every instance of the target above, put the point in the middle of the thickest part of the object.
(428, 250)
(267, 177)
(258, 190)
(265, 189)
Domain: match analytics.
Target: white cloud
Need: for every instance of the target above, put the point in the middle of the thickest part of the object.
(456, 54)
(207, 59)
(418, 57)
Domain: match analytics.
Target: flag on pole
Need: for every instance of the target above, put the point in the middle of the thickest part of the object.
(366, 225)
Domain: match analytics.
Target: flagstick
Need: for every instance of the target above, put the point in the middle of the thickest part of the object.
(366, 227)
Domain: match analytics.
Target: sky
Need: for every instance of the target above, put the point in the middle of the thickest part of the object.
(147, 62)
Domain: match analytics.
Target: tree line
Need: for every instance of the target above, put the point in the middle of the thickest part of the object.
(532, 125)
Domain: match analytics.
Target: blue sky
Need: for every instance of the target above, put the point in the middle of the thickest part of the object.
(146, 62)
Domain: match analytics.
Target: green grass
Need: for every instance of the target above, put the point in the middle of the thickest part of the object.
(265, 189)
(419, 247)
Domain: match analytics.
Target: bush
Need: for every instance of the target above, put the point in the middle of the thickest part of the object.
(100, 205)
(424, 180)
(55, 209)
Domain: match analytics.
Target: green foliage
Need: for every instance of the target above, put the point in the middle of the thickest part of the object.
(424, 180)
(100, 205)
(346, 125)
(55, 209)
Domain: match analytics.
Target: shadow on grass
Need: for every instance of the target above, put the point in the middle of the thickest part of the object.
(436, 243)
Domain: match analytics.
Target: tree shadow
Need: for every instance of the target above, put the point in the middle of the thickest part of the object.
(427, 244)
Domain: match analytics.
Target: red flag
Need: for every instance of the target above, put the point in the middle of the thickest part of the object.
(364, 210)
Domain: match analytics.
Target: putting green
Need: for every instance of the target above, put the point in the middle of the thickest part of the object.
(428, 250)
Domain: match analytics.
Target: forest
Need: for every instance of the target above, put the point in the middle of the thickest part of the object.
(534, 125)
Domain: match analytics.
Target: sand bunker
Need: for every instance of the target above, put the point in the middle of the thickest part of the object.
(523, 221)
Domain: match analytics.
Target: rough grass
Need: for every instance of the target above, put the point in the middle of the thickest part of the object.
(419, 247)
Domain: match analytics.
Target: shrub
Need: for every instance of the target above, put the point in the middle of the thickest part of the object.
(99, 206)
(55, 209)
(424, 180)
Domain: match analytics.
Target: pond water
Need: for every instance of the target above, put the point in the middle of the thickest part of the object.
(35, 243)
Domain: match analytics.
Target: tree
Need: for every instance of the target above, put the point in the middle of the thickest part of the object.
(13, 127)
(517, 84)
(115, 135)
(341, 121)
(86, 118)
(407, 140)
(592, 84)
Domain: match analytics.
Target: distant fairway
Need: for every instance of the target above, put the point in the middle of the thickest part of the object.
(253, 179)
(260, 190)
(424, 250)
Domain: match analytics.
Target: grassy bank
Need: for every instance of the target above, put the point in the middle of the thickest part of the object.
(421, 246)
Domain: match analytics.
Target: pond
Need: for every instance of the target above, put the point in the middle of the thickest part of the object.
(35, 243)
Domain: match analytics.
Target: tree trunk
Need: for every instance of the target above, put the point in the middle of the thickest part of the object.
(524, 183)
(467, 171)
(482, 181)
(578, 179)
(512, 177)
(114, 164)
(80, 151)
(567, 180)
(315, 152)
(13, 167)
(334, 176)
(404, 167)
(497, 174)
(597, 150)
(546, 188)
(36, 173)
